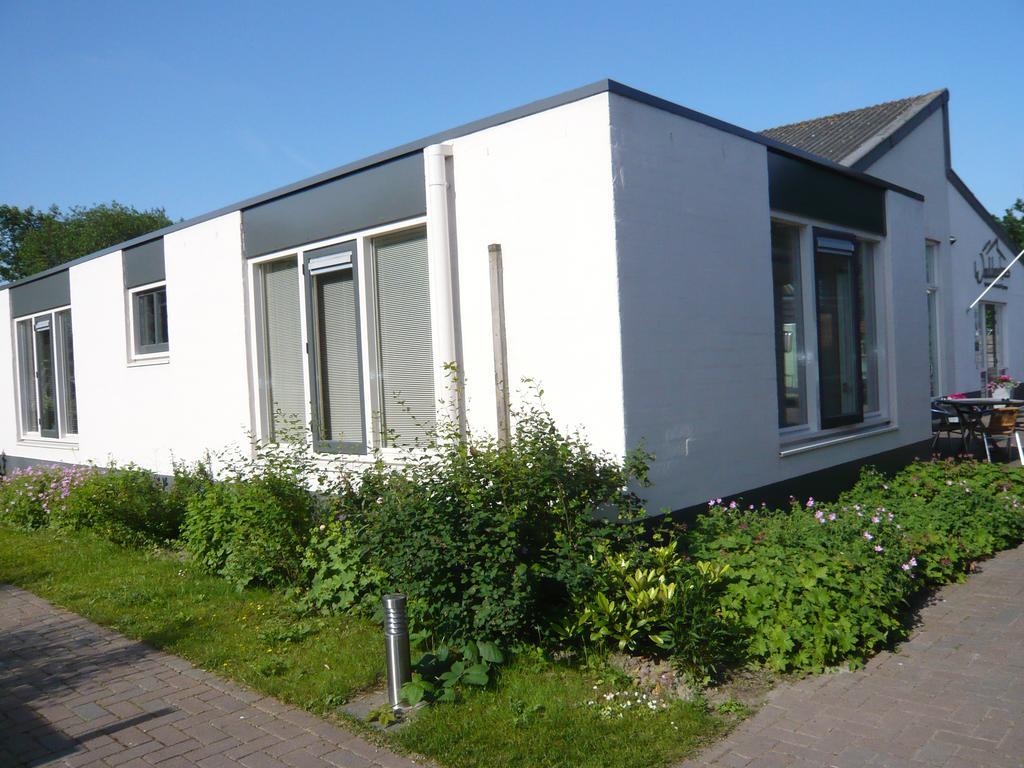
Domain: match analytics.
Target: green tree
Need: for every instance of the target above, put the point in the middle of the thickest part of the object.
(32, 240)
(1013, 222)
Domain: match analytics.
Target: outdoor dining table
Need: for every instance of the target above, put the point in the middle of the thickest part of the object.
(970, 410)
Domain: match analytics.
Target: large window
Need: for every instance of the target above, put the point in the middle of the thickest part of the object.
(365, 343)
(46, 375)
(825, 300)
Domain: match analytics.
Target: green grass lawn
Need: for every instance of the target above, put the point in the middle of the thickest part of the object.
(537, 715)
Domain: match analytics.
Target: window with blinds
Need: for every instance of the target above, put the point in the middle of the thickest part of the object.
(404, 349)
(282, 322)
(338, 375)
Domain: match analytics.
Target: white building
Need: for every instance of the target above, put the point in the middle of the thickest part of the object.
(754, 314)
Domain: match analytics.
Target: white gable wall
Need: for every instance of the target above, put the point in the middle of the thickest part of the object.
(972, 233)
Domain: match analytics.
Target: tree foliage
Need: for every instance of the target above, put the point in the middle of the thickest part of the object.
(32, 240)
(1013, 222)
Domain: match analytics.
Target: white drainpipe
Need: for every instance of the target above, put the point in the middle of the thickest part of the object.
(442, 296)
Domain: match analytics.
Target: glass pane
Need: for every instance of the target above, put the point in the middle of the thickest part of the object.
(47, 381)
(992, 332)
(337, 339)
(868, 327)
(789, 325)
(406, 357)
(27, 377)
(930, 267)
(838, 343)
(151, 321)
(67, 368)
(286, 389)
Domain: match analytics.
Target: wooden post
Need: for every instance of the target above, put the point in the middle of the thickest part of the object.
(500, 350)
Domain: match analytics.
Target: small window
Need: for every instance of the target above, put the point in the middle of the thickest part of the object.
(149, 320)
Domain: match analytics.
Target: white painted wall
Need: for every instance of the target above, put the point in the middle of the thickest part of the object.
(972, 233)
(541, 186)
(919, 163)
(692, 218)
(150, 414)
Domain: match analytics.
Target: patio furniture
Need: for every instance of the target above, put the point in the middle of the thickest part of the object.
(970, 410)
(1001, 423)
(945, 420)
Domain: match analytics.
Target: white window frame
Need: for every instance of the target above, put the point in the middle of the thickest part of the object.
(365, 276)
(63, 437)
(136, 358)
(794, 437)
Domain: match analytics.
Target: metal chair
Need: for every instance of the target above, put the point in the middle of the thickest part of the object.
(1002, 423)
(947, 421)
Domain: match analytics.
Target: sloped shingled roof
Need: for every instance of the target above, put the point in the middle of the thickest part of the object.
(847, 136)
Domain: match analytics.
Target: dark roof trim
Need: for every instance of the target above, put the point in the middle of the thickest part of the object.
(890, 141)
(980, 209)
(535, 107)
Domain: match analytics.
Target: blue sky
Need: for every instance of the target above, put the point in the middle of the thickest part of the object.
(195, 105)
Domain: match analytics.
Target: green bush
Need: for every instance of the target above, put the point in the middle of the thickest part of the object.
(127, 505)
(489, 541)
(250, 531)
(817, 584)
(652, 602)
(340, 572)
(24, 495)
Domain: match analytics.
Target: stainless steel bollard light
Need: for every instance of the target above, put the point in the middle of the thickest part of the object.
(396, 643)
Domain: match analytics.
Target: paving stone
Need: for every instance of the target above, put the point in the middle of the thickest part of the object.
(75, 695)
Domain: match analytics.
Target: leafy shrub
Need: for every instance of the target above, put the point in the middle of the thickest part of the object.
(817, 584)
(250, 531)
(25, 494)
(439, 674)
(339, 571)
(127, 505)
(489, 541)
(652, 602)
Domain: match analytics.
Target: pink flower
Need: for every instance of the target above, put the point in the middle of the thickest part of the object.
(905, 566)
(913, 562)
(878, 548)
(732, 505)
(868, 536)
(831, 515)
(810, 502)
(875, 519)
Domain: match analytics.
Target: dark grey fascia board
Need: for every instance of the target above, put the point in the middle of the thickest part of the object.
(981, 210)
(883, 147)
(535, 107)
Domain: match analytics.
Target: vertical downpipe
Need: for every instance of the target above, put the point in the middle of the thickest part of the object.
(442, 300)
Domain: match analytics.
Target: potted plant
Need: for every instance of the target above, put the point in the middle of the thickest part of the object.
(1001, 387)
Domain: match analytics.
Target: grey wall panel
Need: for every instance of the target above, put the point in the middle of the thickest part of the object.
(48, 292)
(144, 263)
(810, 190)
(388, 192)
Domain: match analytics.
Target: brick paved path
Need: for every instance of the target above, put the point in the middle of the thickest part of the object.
(952, 696)
(75, 694)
